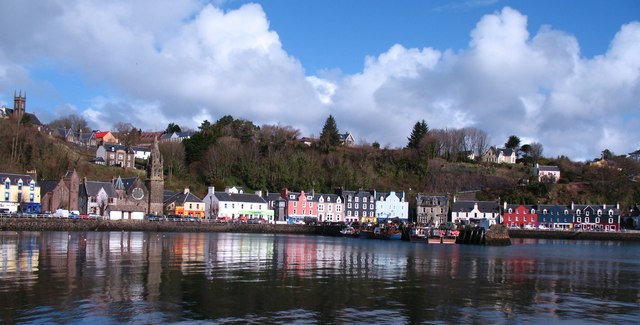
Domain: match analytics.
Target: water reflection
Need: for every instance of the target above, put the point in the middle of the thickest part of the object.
(169, 277)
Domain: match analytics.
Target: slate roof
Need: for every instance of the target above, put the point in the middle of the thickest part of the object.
(270, 197)
(232, 197)
(93, 188)
(116, 147)
(33, 119)
(483, 206)
(26, 179)
(546, 168)
(332, 198)
(432, 200)
(166, 195)
(183, 197)
(47, 186)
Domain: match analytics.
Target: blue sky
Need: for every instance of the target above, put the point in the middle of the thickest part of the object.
(565, 74)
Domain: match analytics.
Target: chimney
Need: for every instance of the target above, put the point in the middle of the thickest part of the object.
(259, 193)
(186, 190)
(211, 190)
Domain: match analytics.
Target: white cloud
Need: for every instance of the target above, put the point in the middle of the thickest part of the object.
(185, 61)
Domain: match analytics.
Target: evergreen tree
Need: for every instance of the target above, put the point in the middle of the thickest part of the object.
(329, 138)
(420, 130)
(512, 143)
(172, 127)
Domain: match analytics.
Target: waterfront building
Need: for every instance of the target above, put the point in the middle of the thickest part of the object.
(54, 195)
(605, 217)
(553, 216)
(185, 204)
(389, 206)
(330, 208)
(234, 204)
(131, 203)
(300, 206)
(432, 209)
(465, 212)
(359, 205)
(20, 192)
(96, 197)
(520, 216)
(276, 203)
(72, 181)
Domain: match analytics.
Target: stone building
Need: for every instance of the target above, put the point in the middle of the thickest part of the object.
(155, 181)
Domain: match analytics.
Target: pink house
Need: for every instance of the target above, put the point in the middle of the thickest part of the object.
(299, 206)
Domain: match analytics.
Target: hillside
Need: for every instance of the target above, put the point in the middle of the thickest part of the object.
(272, 162)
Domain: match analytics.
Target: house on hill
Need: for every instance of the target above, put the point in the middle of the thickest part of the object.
(545, 173)
(116, 155)
(500, 156)
(105, 137)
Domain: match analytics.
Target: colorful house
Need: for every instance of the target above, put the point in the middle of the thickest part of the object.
(389, 206)
(553, 216)
(604, 217)
(300, 207)
(359, 205)
(20, 192)
(184, 204)
(104, 137)
(520, 216)
(543, 173)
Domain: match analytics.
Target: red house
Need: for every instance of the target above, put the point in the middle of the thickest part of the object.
(300, 207)
(521, 216)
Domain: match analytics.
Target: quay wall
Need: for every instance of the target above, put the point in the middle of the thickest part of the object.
(574, 235)
(27, 224)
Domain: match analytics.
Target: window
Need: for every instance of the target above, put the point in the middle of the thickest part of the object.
(510, 210)
(370, 206)
(294, 211)
(7, 184)
(586, 219)
(577, 212)
(330, 208)
(544, 211)
(6, 196)
(304, 204)
(578, 219)
(31, 197)
(356, 199)
(356, 205)
(295, 204)
(338, 208)
(32, 186)
(599, 212)
(225, 205)
(349, 205)
(190, 206)
(348, 213)
(355, 214)
(610, 220)
(610, 212)
(19, 185)
(364, 199)
(320, 207)
(516, 218)
(586, 213)
(597, 220)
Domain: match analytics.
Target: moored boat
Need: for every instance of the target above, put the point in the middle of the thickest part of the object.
(437, 236)
(349, 232)
(418, 234)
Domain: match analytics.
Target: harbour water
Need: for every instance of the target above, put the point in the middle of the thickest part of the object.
(228, 278)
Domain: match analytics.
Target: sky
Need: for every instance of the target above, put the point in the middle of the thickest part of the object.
(565, 74)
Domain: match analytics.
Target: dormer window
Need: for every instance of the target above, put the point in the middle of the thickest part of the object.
(599, 212)
(510, 210)
(533, 211)
(356, 199)
(566, 212)
(32, 186)
(578, 212)
(364, 199)
(292, 197)
(544, 211)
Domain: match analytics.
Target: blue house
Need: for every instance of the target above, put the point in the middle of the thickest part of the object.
(555, 216)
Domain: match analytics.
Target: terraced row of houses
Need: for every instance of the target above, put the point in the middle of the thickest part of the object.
(435, 210)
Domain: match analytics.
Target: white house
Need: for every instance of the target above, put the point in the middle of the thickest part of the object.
(466, 211)
(500, 155)
(141, 152)
(546, 173)
(330, 208)
(391, 205)
(234, 204)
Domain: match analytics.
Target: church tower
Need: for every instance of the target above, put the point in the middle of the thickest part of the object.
(155, 181)
(19, 104)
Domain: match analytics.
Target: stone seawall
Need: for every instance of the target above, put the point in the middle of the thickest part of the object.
(18, 224)
(574, 235)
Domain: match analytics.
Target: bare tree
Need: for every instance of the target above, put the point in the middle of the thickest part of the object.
(174, 158)
(73, 121)
(535, 150)
(127, 133)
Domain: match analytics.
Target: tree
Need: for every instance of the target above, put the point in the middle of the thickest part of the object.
(420, 130)
(606, 154)
(73, 121)
(172, 127)
(376, 145)
(329, 138)
(512, 143)
(126, 133)
(535, 150)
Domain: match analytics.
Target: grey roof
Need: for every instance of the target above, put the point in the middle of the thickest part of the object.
(331, 197)
(547, 168)
(33, 119)
(116, 147)
(505, 151)
(233, 197)
(596, 207)
(26, 178)
(272, 197)
(166, 195)
(432, 200)
(47, 186)
(93, 188)
(183, 197)
(483, 206)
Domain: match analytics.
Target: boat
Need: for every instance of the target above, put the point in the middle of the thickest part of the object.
(437, 236)
(383, 232)
(349, 232)
(418, 234)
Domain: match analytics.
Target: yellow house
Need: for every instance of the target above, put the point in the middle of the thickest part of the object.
(184, 204)
(20, 192)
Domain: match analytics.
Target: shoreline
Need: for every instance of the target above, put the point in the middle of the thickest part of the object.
(30, 224)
